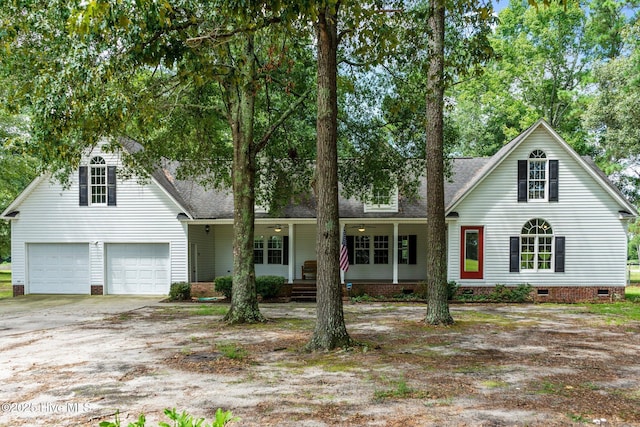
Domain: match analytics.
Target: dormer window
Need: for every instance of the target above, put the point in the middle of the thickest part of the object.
(537, 175)
(383, 199)
(97, 183)
(537, 178)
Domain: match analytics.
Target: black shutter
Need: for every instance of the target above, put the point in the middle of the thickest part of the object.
(413, 245)
(559, 254)
(111, 185)
(84, 188)
(285, 250)
(522, 181)
(514, 254)
(553, 180)
(350, 249)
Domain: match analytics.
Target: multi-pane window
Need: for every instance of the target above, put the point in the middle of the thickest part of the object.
(381, 249)
(361, 245)
(274, 250)
(403, 249)
(258, 250)
(536, 245)
(537, 177)
(98, 186)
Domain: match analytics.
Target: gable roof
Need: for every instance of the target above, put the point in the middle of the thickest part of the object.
(200, 203)
(495, 160)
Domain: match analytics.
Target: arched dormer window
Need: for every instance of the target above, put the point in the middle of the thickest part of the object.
(97, 183)
(537, 178)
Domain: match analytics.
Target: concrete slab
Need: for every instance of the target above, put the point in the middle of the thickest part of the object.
(38, 312)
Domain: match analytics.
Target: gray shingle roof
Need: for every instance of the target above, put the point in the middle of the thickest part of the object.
(203, 203)
(218, 204)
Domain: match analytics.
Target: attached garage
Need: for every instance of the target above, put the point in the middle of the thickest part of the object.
(138, 268)
(58, 268)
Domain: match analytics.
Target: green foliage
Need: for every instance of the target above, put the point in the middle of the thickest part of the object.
(180, 291)
(232, 351)
(269, 286)
(266, 286)
(224, 284)
(183, 419)
(501, 293)
(6, 289)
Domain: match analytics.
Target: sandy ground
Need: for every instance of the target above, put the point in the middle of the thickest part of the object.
(499, 365)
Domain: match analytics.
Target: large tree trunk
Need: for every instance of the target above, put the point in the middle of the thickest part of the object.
(330, 331)
(438, 305)
(244, 300)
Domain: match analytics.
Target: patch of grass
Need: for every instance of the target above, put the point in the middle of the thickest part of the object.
(210, 310)
(577, 418)
(495, 384)
(399, 390)
(632, 293)
(616, 313)
(232, 351)
(6, 290)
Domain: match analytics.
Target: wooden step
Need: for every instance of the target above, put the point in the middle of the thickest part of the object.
(304, 292)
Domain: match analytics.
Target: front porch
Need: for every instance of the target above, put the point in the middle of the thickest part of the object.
(305, 290)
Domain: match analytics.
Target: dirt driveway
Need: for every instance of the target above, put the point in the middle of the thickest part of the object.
(500, 365)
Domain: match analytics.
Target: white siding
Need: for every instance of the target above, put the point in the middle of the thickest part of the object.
(205, 244)
(223, 250)
(144, 214)
(586, 214)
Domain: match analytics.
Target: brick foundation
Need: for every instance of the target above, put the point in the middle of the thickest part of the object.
(561, 294)
(18, 290)
(387, 290)
(97, 290)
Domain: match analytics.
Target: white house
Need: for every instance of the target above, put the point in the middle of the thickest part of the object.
(535, 213)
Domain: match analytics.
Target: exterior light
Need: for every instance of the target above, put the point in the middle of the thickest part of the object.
(361, 228)
(207, 228)
(278, 228)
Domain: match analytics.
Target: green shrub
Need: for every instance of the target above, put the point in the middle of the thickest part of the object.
(520, 293)
(266, 286)
(269, 286)
(180, 291)
(179, 420)
(501, 293)
(223, 284)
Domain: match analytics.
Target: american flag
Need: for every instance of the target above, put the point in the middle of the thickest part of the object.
(344, 252)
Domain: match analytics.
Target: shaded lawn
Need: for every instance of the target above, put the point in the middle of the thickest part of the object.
(5, 284)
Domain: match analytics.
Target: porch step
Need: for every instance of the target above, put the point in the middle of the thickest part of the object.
(304, 292)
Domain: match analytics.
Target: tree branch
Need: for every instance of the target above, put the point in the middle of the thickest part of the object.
(292, 108)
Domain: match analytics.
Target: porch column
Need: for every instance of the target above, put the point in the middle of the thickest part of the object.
(395, 253)
(292, 254)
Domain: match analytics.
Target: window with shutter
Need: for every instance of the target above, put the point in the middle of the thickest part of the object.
(537, 178)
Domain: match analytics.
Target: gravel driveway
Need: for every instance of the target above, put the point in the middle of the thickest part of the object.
(77, 360)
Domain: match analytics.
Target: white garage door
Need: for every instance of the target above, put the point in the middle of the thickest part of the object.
(58, 268)
(138, 269)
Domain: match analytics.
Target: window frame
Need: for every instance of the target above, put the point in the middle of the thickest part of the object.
(98, 190)
(538, 158)
(465, 231)
(381, 249)
(258, 250)
(275, 252)
(534, 241)
(361, 249)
